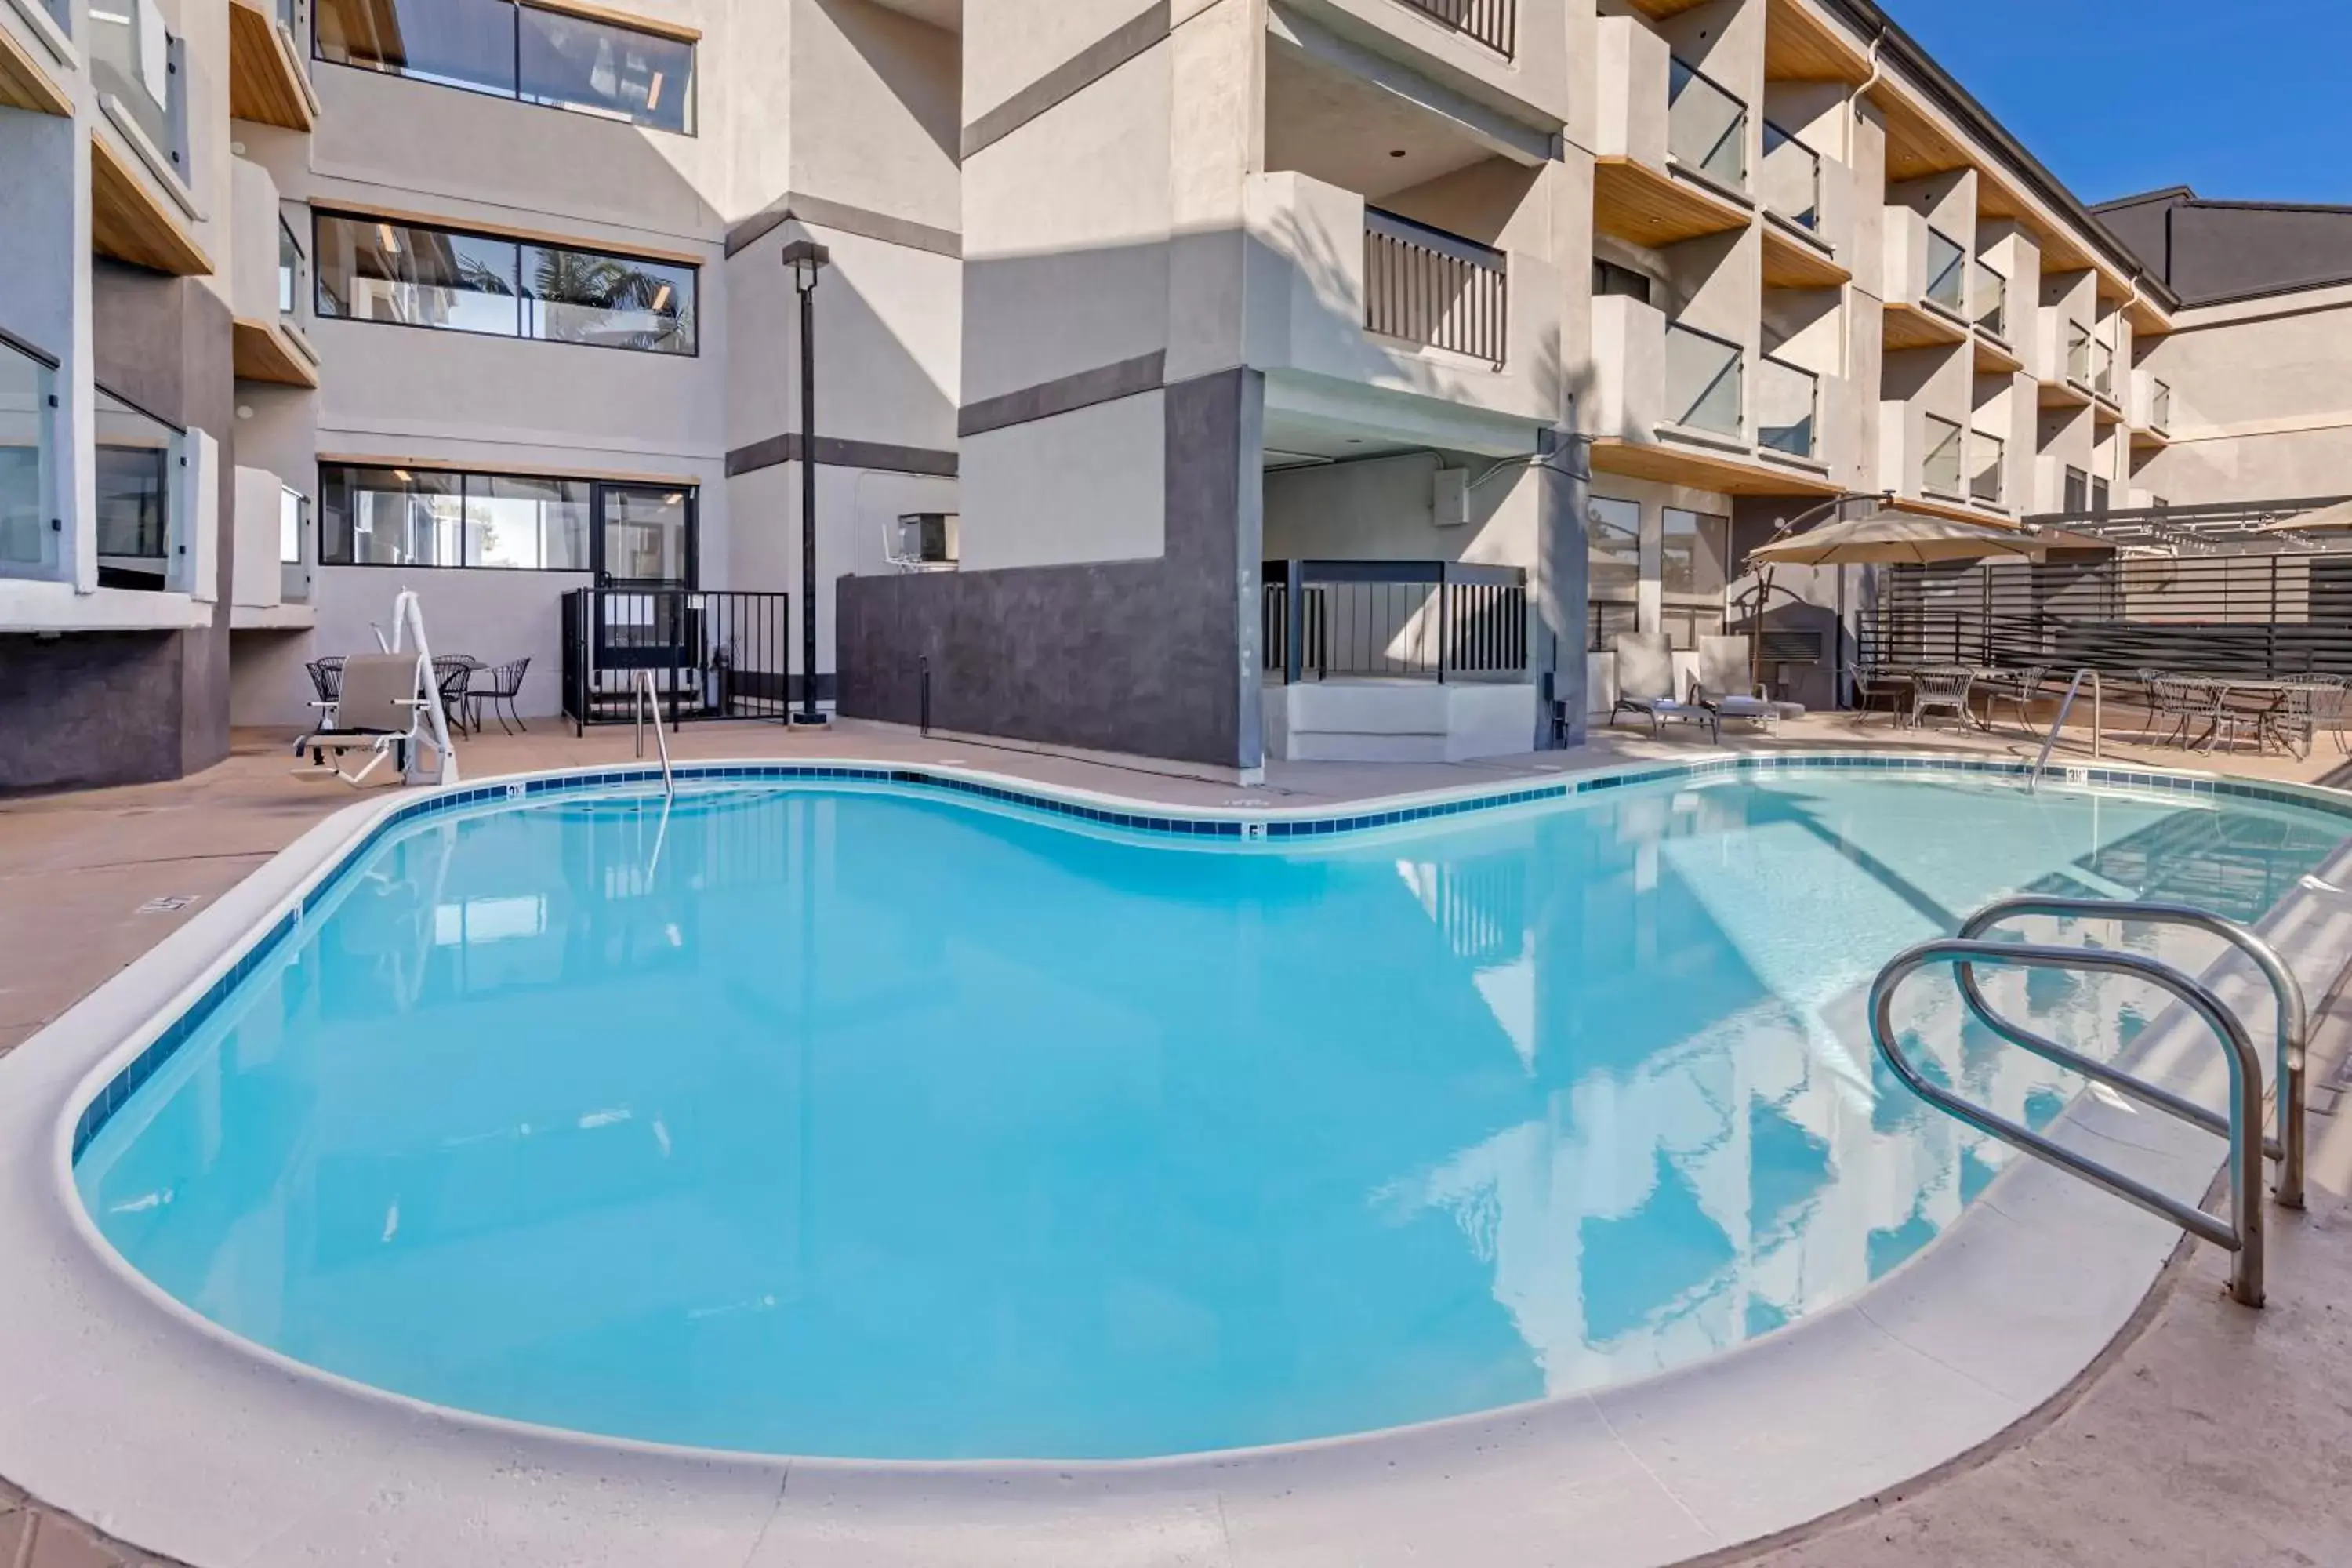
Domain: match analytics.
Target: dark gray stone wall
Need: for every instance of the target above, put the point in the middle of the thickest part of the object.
(1563, 589)
(90, 707)
(1155, 658)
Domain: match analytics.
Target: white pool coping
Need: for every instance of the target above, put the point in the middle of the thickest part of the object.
(127, 1410)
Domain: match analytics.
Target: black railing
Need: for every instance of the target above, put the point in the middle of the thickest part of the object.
(1427, 286)
(1494, 23)
(2255, 616)
(1441, 619)
(713, 656)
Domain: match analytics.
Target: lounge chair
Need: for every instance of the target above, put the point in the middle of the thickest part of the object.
(1723, 686)
(1645, 685)
(377, 711)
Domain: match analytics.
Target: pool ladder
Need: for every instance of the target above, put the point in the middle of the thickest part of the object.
(643, 697)
(2049, 742)
(2242, 1233)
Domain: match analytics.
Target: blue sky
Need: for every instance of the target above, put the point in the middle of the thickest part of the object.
(2245, 99)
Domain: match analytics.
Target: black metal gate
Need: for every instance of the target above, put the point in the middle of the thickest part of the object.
(712, 654)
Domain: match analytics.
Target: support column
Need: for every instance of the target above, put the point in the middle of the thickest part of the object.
(1562, 586)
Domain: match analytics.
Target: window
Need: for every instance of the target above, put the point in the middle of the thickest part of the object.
(1613, 532)
(377, 516)
(1692, 552)
(2099, 496)
(27, 454)
(529, 53)
(136, 455)
(1609, 278)
(373, 270)
(536, 525)
(2077, 497)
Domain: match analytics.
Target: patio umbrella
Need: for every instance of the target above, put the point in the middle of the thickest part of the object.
(2327, 519)
(1890, 536)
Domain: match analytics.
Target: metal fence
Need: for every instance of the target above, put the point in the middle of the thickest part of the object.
(713, 656)
(1427, 286)
(1494, 23)
(2256, 617)
(1438, 619)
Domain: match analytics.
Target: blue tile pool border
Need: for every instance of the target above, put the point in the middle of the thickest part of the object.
(1166, 821)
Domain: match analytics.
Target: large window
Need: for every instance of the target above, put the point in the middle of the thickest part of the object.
(136, 454)
(1693, 550)
(27, 461)
(532, 53)
(370, 269)
(383, 516)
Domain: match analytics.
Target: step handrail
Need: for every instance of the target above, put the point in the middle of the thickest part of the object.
(642, 696)
(2242, 1234)
(2293, 1016)
(2098, 723)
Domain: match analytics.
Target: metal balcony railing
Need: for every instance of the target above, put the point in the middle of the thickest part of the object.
(1992, 302)
(1707, 127)
(1494, 23)
(1788, 401)
(133, 58)
(1939, 471)
(1948, 276)
(1447, 620)
(28, 546)
(1427, 286)
(1984, 479)
(1791, 178)
(1705, 381)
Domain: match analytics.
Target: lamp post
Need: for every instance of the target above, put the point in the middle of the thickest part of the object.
(805, 258)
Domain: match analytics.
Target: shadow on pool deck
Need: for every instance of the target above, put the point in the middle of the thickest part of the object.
(2214, 1436)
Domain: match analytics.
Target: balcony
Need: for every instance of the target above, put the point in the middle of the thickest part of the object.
(270, 572)
(2151, 412)
(1791, 179)
(1707, 127)
(140, 203)
(269, 281)
(1940, 469)
(1926, 284)
(1494, 23)
(1706, 382)
(33, 77)
(1642, 192)
(28, 468)
(266, 79)
(1787, 407)
(1985, 472)
(1425, 286)
(2103, 379)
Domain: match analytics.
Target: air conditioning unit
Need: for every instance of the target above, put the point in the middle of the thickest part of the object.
(923, 541)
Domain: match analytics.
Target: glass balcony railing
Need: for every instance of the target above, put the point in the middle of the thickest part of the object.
(293, 554)
(1788, 403)
(29, 545)
(138, 525)
(2160, 406)
(2103, 371)
(1940, 474)
(289, 273)
(136, 60)
(1991, 301)
(61, 12)
(2078, 353)
(1984, 477)
(1791, 178)
(1948, 273)
(1706, 128)
(1704, 380)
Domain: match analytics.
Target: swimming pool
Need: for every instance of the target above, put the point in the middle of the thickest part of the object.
(848, 1117)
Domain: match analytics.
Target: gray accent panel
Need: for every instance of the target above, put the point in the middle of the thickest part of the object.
(1153, 658)
(89, 708)
(831, 452)
(1563, 585)
(1105, 384)
(1069, 79)
(846, 218)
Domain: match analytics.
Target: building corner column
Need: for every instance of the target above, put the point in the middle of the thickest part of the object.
(1562, 589)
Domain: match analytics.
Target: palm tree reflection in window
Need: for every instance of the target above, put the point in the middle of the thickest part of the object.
(574, 296)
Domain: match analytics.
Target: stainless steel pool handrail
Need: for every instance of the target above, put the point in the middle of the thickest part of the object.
(2242, 1235)
(2098, 723)
(642, 696)
(2294, 1017)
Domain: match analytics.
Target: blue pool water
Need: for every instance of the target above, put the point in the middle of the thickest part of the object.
(846, 1120)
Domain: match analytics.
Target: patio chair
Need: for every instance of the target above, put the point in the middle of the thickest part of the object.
(1645, 685)
(1723, 686)
(325, 678)
(2019, 687)
(453, 672)
(377, 710)
(1941, 690)
(1874, 684)
(495, 684)
(2291, 721)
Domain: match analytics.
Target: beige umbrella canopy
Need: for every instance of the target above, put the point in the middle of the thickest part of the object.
(1890, 536)
(2325, 519)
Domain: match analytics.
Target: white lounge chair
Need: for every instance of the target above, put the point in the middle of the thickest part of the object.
(378, 710)
(1645, 684)
(1724, 686)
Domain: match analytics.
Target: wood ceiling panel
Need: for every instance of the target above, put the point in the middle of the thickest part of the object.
(262, 354)
(1728, 473)
(26, 83)
(1993, 358)
(1800, 46)
(1793, 263)
(1659, 10)
(265, 82)
(1635, 201)
(1915, 146)
(1912, 327)
(130, 223)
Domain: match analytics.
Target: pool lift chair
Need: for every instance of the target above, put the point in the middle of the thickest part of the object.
(389, 705)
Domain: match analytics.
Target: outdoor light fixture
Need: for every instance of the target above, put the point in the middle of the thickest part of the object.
(805, 258)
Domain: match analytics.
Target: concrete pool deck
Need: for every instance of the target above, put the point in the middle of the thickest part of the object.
(2195, 1468)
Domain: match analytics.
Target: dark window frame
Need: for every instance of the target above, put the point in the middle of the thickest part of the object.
(594, 570)
(515, 95)
(320, 312)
